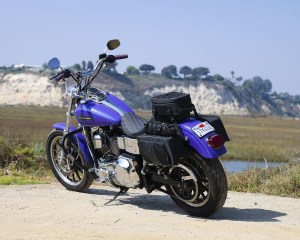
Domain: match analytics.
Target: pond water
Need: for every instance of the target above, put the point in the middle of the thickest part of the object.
(240, 166)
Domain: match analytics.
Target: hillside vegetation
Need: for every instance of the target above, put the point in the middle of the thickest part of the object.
(210, 94)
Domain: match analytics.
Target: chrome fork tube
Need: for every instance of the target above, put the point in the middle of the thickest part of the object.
(67, 129)
(68, 114)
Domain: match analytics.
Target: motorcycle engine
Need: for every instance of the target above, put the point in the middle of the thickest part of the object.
(114, 169)
(121, 172)
(105, 144)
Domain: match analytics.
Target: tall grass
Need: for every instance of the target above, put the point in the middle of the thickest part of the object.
(281, 181)
(21, 161)
(262, 139)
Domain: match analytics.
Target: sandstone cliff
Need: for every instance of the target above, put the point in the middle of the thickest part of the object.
(28, 88)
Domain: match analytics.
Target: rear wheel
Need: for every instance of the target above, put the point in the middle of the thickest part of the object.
(204, 185)
(65, 168)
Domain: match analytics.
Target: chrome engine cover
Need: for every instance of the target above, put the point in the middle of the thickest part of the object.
(121, 172)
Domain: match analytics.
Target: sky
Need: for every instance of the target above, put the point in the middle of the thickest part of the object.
(251, 38)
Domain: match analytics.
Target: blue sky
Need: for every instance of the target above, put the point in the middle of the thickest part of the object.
(249, 37)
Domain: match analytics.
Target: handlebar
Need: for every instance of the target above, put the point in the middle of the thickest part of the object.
(113, 58)
(88, 74)
(122, 56)
(59, 76)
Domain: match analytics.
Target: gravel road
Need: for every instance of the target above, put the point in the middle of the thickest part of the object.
(51, 212)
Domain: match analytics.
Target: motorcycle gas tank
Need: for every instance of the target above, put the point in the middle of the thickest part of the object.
(107, 112)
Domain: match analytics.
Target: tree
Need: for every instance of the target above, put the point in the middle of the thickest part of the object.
(239, 79)
(268, 86)
(76, 67)
(200, 72)
(258, 85)
(247, 84)
(131, 70)
(45, 66)
(297, 98)
(218, 77)
(232, 75)
(185, 71)
(83, 65)
(90, 65)
(169, 71)
(146, 68)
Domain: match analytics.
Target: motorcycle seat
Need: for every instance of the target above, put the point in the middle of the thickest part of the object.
(133, 125)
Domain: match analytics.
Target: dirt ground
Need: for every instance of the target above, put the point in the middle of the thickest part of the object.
(51, 212)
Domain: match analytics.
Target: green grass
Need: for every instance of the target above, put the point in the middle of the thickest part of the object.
(22, 162)
(280, 181)
(20, 180)
(35, 122)
(260, 139)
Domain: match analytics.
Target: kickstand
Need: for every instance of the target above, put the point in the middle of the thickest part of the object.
(123, 190)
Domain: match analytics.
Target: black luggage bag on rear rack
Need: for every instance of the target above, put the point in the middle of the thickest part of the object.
(172, 107)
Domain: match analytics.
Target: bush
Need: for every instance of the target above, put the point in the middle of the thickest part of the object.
(18, 156)
(281, 181)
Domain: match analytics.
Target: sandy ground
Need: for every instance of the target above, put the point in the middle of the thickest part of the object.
(51, 212)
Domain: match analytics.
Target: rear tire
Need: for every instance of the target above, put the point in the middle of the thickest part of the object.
(204, 188)
(65, 170)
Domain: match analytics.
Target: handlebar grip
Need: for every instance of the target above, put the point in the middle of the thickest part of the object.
(59, 76)
(122, 56)
(53, 77)
(113, 58)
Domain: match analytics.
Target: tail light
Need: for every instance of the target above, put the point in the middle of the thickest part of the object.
(215, 141)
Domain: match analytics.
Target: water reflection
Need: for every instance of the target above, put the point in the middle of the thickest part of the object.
(240, 166)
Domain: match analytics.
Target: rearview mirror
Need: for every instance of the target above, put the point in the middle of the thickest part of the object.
(54, 63)
(113, 44)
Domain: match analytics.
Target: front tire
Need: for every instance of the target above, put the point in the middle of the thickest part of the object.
(65, 169)
(204, 188)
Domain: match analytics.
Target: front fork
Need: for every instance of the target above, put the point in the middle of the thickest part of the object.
(86, 131)
(67, 128)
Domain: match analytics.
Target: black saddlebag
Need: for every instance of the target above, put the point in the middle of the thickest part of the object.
(161, 150)
(172, 106)
(217, 123)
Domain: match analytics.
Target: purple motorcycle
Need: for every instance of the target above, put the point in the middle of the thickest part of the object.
(175, 152)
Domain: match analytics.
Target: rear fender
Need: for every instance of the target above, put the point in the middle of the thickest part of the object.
(79, 140)
(200, 144)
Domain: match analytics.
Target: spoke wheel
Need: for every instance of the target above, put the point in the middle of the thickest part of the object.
(203, 188)
(64, 166)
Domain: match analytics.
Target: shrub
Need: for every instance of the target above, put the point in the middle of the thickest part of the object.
(281, 181)
(21, 155)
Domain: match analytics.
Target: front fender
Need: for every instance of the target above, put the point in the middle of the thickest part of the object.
(200, 144)
(79, 139)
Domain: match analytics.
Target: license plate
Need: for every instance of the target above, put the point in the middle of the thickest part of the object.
(203, 128)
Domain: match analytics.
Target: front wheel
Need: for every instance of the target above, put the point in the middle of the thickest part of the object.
(204, 185)
(65, 169)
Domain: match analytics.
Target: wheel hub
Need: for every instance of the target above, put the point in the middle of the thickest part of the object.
(188, 191)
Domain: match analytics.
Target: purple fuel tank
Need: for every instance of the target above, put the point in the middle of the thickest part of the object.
(106, 112)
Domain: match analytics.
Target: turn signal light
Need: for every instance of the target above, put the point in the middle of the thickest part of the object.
(215, 141)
